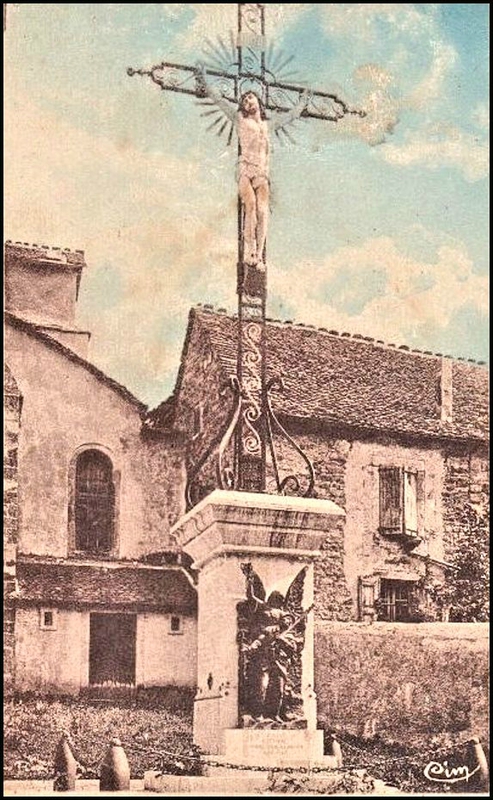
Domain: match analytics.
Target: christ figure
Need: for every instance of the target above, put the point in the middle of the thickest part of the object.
(254, 132)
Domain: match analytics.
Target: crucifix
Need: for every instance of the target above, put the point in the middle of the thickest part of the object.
(247, 86)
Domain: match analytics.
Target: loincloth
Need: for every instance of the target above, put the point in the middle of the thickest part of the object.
(257, 176)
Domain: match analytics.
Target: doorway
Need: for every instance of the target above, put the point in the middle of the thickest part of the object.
(112, 649)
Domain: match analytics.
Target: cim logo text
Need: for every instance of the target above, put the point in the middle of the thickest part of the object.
(440, 772)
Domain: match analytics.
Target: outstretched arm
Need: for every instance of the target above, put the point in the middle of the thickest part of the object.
(281, 119)
(229, 109)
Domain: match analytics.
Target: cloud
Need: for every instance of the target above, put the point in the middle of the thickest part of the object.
(481, 116)
(147, 223)
(360, 21)
(57, 172)
(441, 146)
(413, 301)
(212, 21)
(412, 66)
(380, 107)
(432, 85)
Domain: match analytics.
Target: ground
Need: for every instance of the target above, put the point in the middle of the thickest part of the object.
(155, 738)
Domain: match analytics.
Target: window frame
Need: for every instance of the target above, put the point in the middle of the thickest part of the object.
(72, 549)
(53, 626)
(389, 587)
(407, 484)
(179, 630)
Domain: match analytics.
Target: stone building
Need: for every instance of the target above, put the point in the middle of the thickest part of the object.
(97, 592)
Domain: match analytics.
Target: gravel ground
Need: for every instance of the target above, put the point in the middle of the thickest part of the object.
(45, 788)
(89, 788)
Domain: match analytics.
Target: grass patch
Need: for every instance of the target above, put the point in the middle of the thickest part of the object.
(33, 728)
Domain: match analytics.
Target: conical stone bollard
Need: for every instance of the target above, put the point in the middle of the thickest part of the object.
(335, 750)
(65, 767)
(115, 771)
(481, 761)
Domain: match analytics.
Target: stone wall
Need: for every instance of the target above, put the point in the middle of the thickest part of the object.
(328, 455)
(12, 402)
(466, 480)
(346, 469)
(160, 464)
(203, 405)
(12, 406)
(408, 684)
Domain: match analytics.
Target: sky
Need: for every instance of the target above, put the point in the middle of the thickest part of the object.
(378, 225)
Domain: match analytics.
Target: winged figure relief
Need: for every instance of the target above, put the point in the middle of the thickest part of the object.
(271, 635)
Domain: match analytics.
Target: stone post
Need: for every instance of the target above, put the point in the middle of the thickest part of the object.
(278, 536)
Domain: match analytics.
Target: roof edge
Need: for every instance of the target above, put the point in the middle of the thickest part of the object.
(210, 309)
(54, 344)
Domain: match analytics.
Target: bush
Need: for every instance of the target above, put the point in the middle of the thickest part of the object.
(153, 738)
(469, 590)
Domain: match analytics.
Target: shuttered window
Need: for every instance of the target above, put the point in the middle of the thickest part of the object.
(400, 490)
(391, 500)
(410, 502)
(94, 502)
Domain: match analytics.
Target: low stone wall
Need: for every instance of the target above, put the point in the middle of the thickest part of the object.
(408, 684)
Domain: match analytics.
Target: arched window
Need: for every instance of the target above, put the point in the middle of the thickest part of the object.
(94, 502)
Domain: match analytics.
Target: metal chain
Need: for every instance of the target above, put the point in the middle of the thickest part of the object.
(410, 759)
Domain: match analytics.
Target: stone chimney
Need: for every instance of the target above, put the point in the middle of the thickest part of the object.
(446, 399)
(42, 287)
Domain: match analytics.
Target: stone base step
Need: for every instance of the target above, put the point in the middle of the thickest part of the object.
(244, 782)
(240, 783)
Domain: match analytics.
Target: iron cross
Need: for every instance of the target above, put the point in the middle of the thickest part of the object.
(246, 70)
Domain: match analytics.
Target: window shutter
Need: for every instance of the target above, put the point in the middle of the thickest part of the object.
(410, 502)
(420, 502)
(391, 500)
(367, 594)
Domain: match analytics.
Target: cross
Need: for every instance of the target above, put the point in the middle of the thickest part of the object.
(247, 67)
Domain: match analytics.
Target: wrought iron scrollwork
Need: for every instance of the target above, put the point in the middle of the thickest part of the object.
(225, 473)
(290, 484)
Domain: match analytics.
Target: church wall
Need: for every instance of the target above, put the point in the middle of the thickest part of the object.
(57, 661)
(51, 661)
(65, 409)
(39, 293)
(163, 657)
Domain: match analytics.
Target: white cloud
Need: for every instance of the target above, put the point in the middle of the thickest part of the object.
(218, 20)
(432, 85)
(481, 116)
(56, 173)
(417, 297)
(441, 146)
(380, 107)
(360, 20)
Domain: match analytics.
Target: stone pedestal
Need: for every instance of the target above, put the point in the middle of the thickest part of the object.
(278, 536)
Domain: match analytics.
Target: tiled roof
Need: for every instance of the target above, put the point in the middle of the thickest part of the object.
(162, 417)
(356, 381)
(56, 256)
(131, 586)
(54, 344)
